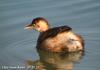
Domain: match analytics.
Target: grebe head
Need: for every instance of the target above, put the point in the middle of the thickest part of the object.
(40, 24)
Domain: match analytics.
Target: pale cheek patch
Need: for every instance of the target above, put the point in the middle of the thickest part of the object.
(42, 26)
(42, 23)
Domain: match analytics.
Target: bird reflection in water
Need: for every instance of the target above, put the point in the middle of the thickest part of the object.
(55, 61)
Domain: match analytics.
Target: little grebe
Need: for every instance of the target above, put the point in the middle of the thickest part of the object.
(57, 39)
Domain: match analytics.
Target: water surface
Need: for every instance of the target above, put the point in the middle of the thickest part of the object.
(18, 45)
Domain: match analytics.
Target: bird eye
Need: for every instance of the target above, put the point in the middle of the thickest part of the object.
(33, 25)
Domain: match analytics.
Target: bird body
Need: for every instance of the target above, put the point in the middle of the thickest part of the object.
(57, 39)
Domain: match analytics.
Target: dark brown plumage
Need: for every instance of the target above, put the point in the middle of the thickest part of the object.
(52, 32)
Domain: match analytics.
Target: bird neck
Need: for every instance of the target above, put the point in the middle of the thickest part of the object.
(44, 29)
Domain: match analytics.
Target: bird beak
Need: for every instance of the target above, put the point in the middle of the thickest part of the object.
(30, 27)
